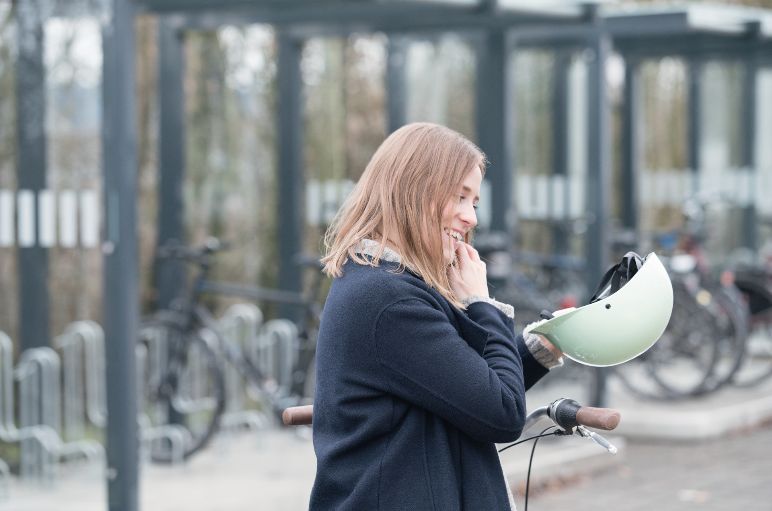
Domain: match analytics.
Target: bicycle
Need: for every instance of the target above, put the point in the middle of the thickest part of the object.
(186, 386)
(755, 284)
(567, 416)
(704, 345)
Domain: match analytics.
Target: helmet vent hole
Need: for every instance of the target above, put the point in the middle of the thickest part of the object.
(608, 305)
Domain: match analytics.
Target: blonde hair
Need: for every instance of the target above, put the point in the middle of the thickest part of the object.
(400, 199)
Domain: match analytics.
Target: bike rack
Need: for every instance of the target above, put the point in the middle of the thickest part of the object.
(240, 326)
(38, 373)
(176, 435)
(8, 430)
(150, 364)
(5, 480)
(278, 352)
(82, 347)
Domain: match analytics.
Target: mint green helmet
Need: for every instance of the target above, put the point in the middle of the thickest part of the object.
(620, 326)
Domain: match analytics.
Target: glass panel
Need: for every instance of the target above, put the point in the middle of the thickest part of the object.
(73, 61)
(441, 80)
(345, 121)
(664, 123)
(764, 159)
(230, 185)
(721, 178)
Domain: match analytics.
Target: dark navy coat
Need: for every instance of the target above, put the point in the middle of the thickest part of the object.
(411, 394)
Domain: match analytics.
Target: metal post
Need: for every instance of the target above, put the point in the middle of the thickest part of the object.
(695, 120)
(121, 255)
(631, 155)
(31, 171)
(170, 275)
(560, 106)
(396, 82)
(494, 124)
(290, 150)
(748, 140)
(598, 187)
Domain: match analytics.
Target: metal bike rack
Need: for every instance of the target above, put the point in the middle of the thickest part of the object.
(82, 347)
(5, 480)
(278, 347)
(192, 394)
(154, 424)
(38, 373)
(176, 435)
(45, 437)
(240, 326)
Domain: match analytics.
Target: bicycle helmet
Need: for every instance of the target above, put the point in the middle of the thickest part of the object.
(627, 315)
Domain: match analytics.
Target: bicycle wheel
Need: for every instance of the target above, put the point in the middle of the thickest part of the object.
(732, 319)
(184, 385)
(757, 365)
(683, 361)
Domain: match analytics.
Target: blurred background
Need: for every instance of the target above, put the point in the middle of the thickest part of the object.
(168, 168)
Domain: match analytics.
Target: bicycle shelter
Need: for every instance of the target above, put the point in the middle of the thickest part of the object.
(696, 34)
(496, 29)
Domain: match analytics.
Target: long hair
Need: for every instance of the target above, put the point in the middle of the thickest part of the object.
(399, 200)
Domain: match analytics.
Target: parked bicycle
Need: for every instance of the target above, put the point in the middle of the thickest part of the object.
(704, 345)
(754, 280)
(187, 385)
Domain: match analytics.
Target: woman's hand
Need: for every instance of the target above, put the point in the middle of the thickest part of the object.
(547, 344)
(467, 274)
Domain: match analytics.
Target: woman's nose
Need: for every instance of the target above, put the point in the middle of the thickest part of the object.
(469, 216)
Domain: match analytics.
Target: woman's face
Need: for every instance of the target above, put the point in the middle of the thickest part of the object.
(459, 215)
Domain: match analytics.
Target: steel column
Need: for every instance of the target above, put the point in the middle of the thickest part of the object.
(598, 187)
(171, 159)
(560, 141)
(695, 68)
(598, 167)
(396, 82)
(494, 124)
(290, 151)
(31, 168)
(121, 297)
(748, 141)
(631, 147)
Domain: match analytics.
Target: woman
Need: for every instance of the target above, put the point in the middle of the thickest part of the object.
(419, 371)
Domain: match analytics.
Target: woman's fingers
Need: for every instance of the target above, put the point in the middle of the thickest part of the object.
(462, 255)
(468, 251)
(468, 274)
(473, 254)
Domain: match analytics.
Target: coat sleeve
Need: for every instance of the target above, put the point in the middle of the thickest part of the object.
(472, 379)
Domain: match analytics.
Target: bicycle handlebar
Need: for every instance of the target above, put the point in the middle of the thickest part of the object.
(566, 413)
(173, 249)
(297, 415)
(598, 418)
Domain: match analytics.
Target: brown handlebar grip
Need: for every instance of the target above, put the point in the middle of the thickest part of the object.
(599, 418)
(298, 415)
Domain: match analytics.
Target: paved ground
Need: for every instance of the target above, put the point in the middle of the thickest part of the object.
(273, 470)
(268, 470)
(728, 474)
